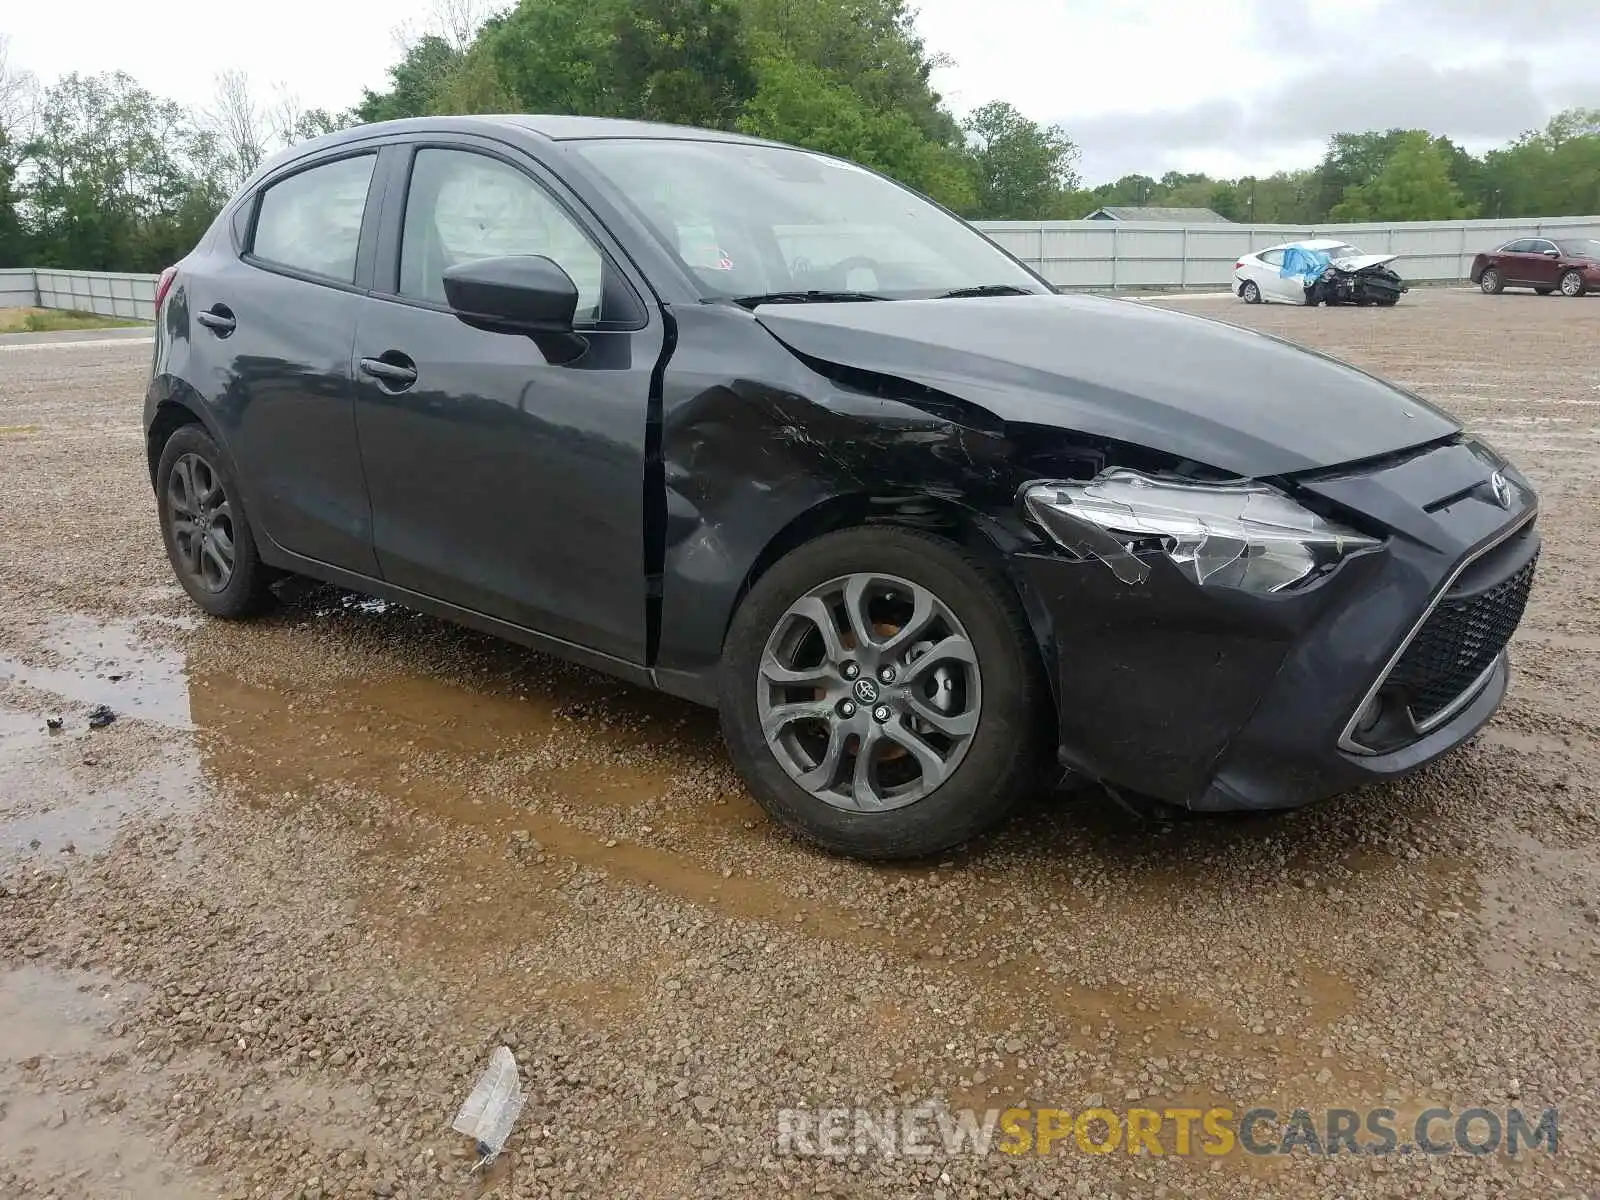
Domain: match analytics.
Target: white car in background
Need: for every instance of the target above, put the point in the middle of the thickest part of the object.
(1325, 271)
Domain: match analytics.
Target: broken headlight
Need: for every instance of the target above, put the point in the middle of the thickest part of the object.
(1242, 535)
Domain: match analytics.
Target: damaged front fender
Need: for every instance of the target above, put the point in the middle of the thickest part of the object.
(761, 448)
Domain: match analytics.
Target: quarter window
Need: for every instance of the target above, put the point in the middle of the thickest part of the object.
(311, 221)
(463, 206)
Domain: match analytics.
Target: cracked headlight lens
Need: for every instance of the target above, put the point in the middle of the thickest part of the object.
(1241, 535)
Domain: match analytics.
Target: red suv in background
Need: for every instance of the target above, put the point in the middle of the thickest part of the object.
(1544, 264)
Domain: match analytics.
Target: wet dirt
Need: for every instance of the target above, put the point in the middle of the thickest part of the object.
(323, 862)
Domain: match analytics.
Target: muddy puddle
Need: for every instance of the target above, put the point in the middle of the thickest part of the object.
(530, 805)
(67, 787)
(56, 1052)
(121, 664)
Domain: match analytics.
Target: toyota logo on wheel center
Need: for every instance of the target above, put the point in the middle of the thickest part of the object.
(866, 691)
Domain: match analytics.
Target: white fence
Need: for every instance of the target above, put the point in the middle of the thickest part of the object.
(18, 289)
(107, 293)
(1125, 254)
(1073, 255)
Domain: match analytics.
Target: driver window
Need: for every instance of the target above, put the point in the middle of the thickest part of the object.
(463, 206)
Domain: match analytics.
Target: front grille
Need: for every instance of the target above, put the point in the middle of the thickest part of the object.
(1457, 644)
(1380, 283)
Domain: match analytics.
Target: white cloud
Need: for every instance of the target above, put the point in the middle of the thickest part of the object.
(324, 50)
(1226, 86)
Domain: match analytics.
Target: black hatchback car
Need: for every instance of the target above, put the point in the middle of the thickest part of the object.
(768, 431)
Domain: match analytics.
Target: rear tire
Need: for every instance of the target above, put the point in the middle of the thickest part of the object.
(1249, 292)
(203, 524)
(1490, 282)
(1572, 283)
(807, 774)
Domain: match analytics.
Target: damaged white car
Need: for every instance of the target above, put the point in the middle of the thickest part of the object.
(1316, 272)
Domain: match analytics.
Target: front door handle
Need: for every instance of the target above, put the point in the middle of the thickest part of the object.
(394, 371)
(219, 319)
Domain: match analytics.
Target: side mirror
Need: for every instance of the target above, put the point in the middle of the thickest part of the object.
(525, 293)
(1552, 254)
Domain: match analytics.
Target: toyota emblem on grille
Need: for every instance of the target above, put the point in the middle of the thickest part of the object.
(1501, 487)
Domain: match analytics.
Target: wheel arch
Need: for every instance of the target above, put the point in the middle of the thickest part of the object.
(976, 532)
(170, 406)
(930, 514)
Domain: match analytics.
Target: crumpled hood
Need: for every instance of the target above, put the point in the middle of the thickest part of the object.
(1237, 400)
(1360, 262)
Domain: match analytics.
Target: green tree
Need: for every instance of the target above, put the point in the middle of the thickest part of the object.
(1284, 197)
(13, 237)
(1467, 173)
(16, 110)
(871, 46)
(414, 82)
(117, 179)
(1020, 165)
(1553, 172)
(1353, 160)
(1414, 185)
(554, 56)
(1129, 190)
(683, 61)
(804, 106)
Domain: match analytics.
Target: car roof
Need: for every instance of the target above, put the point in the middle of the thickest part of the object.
(557, 128)
(554, 128)
(567, 128)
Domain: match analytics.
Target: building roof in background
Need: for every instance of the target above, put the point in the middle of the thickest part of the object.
(1179, 216)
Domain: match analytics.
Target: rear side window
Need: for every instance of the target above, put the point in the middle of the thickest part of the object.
(311, 221)
(1273, 258)
(464, 206)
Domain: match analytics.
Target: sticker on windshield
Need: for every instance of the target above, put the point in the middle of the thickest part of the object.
(707, 256)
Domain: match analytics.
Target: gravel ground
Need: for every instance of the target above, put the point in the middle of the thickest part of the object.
(259, 935)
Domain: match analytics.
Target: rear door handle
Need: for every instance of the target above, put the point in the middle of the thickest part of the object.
(219, 319)
(394, 371)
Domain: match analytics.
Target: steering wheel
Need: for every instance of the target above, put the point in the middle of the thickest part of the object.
(844, 266)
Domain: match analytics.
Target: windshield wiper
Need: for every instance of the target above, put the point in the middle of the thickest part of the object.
(809, 297)
(985, 289)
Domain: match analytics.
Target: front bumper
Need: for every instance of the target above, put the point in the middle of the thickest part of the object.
(1213, 699)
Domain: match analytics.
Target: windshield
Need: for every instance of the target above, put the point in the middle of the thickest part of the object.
(1580, 247)
(1344, 250)
(751, 220)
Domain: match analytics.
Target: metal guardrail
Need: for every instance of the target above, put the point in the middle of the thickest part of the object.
(1073, 255)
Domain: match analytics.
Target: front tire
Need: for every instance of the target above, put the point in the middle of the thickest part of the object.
(1490, 282)
(208, 540)
(882, 694)
(1572, 283)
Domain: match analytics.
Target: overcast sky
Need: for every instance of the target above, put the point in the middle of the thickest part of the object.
(1223, 86)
